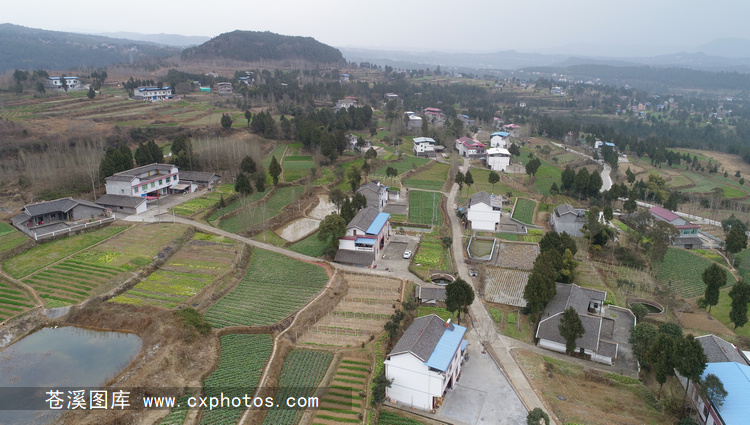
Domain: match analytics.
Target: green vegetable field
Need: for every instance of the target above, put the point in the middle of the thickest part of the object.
(682, 271)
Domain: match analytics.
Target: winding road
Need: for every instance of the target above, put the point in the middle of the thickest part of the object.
(606, 171)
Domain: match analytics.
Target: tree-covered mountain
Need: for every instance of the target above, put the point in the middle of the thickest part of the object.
(32, 48)
(252, 46)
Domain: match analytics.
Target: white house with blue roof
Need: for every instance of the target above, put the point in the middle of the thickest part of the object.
(735, 410)
(365, 239)
(425, 363)
(499, 139)
(152, 94)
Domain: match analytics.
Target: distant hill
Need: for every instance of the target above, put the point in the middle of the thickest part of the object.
(251, 46)
(174, 40)
(32, 48)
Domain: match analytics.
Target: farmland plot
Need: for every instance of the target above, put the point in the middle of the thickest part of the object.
(682, 271)
(257, 214)
(208, 200)
(70, 281)
(274, 287)
(524, 211)
(368, 304)
(424, 207)
(342, 402)
(517, 255)
(301, 374)
(432, 178)
(505, 286)
(243, 358)
(10, 237)
(13, 300)
(193, 267)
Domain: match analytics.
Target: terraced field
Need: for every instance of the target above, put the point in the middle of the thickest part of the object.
(432, 178)
(505, 286)
(243, 358)
(71, 281)
(208, 200)
(301, 374)
(10, 237)
(297, 166)
(187, 272)
(367, 306)
(251, 215)
(681, 270)
(342, 403)
(13, 300)
(274, 287)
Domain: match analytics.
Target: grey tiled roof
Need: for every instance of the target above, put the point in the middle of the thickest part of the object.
(364, 218)
(122, 178)
(363, 258)
(720, 351)
(373, 187)
(120, 200)
(144, 169)
(20, 219)
(565, 209)
(197, 176)
(421, 337)
(480, 197)
(607, 348)
(58, 205)
(429, 293)
(549, 330)
(572, 295)
(687, 240)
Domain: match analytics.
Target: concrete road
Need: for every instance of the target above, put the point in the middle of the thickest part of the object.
(606, 171)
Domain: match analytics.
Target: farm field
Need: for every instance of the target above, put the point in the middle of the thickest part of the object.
(310, 245)
(441, 312)
(389, 418)
(45, 254)
(13, 300)
(342, 403)
(517, 255)
(10, 237)
(505, 286)
(243, 358)
(188, 271)
(239, 203)
(274, 287)
(252, 215)
(208, 200)
(481, 183)
(424, 207)
(524, 210)
(431, 255)
(179, 412)
(368, 304)
(296, 166)
(327, 177)
(301, 374)
(682, 270)
(432, 178)
(406, 163)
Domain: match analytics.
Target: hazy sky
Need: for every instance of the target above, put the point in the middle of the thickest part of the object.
(647, 26)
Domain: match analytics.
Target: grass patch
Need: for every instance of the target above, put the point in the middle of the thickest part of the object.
(441, 312)
(432, 178)
(310, 245)
(10, 237)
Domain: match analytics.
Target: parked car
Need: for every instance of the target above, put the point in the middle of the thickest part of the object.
(407, 254)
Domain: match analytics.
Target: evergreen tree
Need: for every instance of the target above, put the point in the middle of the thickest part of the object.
(571, 328)
(740, 295)
(157, 155)
(662, 358)
(541, 288)
(260, 181)
(468, 179)
(226, 120)
(567, 178)
(691, 360)
(458, 297)
(274, 170)
(459, 179)
(91, 93)
(248, 116)
(494, 178)
(714, 277)
(242, 185)
(247, 165)
(642, 337)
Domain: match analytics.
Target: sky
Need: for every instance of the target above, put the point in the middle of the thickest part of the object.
(602, 27)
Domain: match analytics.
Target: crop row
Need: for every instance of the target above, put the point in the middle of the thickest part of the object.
(272, 279)
(681, 270)
(302, 372)
(13, 301)
(241, 364)
(524, 211)
(424, 207)
(251, 215)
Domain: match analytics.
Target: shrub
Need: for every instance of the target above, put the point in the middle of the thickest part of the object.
(193, 319)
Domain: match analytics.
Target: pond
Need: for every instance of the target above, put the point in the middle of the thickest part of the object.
(66, 358)
(652, 309)
(481, 249)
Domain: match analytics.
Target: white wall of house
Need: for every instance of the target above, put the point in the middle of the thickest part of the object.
(413, 383)
(119, 188)
(499, 142)
(560, 348)
(498, 163)
(482, 217)
(423, 148)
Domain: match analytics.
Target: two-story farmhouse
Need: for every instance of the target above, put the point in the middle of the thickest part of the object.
(151, 180)
(498, 159)
(688, 237)
(413, 121)
(365, 238)
(376, 194)
(71, 83)
(735, 409)
(425, 362)
(152, 94)
(470, 148)
(499, 139)
(424, 146)
(484, 211)
(599, 327)
(565, 218)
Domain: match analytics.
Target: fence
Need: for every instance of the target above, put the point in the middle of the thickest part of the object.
(37, 236)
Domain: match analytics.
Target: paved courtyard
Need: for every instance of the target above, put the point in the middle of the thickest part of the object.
(483, 395)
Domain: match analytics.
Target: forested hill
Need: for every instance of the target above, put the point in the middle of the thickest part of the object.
(31, 48)
(251, 46)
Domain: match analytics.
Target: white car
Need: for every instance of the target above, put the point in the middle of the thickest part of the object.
(407, 254)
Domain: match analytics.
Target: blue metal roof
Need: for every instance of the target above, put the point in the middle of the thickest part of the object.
(736, 380)
(445, 349)
(377, 224)
(464, 343)
(365, 241)
(500, 133)
(609, 144)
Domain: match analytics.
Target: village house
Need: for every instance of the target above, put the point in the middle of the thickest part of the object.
(345, 103)
(390, 96)
(152, 94)
(434, 115)
(224, 88)
(64, 214)
(470, 148)
(499, 139)
(565, 218)
(376, 194)
(735, 410)
(413, 122)
(599, 327)
(55, 84)
(498, 159)
(199, 179)
(688, 237)
(124, 204)
(466, 120)
(150, 181)
(344, 78)
(512, 129)
(424, 146)
(484, 211)
(365, 239)
(425, 363)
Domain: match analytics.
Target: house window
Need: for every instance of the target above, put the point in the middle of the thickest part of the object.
(122, 190)
(152, 185)
(705, 411)
(159, 182)
(135, 189)
(144, 187)
(169, 179)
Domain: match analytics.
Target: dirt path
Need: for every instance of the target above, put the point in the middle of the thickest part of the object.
(28, 288)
